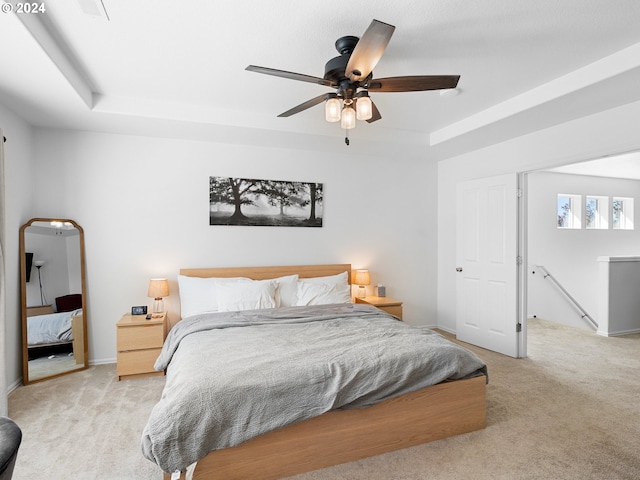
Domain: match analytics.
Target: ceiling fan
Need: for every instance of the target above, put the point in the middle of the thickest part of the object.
(351, 75)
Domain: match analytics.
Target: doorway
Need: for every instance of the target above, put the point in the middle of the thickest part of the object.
(569, 255)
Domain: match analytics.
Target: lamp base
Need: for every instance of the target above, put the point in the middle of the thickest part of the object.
(362, 291)
(158, 305)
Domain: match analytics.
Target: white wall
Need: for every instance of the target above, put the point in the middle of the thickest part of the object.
(609, 132)
(143, 204)
(570, 255)
(19, 175)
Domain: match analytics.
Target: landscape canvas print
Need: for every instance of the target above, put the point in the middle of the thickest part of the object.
(274, 203)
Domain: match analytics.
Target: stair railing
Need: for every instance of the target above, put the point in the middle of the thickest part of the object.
(583, 313)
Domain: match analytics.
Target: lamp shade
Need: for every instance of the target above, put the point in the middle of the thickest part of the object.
(158, 288)
(362, 277)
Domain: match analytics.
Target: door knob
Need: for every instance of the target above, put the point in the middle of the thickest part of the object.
(458, 269)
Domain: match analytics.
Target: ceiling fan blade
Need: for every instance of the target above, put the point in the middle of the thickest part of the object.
(291, 75)
(369, 50)
(303, 106)
(415, 83)
(375, 113)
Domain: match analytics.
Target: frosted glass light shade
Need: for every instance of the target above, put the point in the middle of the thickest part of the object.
(364, 108)
(332, 110)
(348, 118)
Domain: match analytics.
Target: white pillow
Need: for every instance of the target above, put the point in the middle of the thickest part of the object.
(322, 294)
(199, 295)
(250, 295)
(339, 279)
(286, 291)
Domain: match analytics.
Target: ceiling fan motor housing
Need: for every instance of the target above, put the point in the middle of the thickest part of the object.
(346, 44)
(334, 69)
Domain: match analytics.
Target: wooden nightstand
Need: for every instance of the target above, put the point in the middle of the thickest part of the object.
(139, 342)
(389, 305)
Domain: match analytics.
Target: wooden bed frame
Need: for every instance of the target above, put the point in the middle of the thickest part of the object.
(341, 436)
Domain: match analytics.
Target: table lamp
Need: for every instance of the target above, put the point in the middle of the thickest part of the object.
(362, 278)
(158, 289)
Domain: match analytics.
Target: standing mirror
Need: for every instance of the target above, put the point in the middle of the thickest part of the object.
(54, 313)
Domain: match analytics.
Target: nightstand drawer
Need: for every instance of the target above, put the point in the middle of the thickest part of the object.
(386, 304)
(395, 310)
(139, 337)
(138, 361)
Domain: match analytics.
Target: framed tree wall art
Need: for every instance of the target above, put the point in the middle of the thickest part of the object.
(274, 203)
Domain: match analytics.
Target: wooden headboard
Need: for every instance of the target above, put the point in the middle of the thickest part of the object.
(39, 310)
(264, 273)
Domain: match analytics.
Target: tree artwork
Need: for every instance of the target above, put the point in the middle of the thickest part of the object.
(243, 201)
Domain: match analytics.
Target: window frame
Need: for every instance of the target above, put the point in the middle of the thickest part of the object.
(626, 220)
(601, 220)
(574, 211)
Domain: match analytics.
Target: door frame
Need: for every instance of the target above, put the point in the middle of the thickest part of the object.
(522, 277)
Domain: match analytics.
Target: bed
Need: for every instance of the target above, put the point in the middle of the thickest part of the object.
(320, 429)
(46, 328)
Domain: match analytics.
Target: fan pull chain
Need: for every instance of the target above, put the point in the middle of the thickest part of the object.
(346, 137)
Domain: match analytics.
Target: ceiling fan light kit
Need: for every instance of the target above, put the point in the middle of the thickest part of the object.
(351, 75)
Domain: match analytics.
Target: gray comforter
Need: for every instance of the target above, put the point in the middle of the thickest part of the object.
(50, 328)
(233, 376)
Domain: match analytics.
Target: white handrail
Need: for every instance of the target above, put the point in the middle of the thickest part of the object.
(582, 311)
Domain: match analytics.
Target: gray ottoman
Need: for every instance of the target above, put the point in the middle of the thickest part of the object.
(10, 438)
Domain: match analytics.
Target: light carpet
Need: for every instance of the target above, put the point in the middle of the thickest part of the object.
(571, 410)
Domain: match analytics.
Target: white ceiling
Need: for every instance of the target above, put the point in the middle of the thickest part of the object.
(160, 67)
(619, 166)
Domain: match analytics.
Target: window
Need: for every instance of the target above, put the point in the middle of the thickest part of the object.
(569, 211)
(600, 213)
(596, 212)
(622, 213)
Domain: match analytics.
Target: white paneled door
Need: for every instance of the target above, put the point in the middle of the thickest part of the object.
(487, 263)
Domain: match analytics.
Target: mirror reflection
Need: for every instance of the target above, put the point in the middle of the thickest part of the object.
(53, 299)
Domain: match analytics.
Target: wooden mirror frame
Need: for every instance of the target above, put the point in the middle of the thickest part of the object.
(23, 294)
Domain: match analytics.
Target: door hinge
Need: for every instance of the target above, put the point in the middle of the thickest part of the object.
(518, 260)
(518, 327)
(518, 192)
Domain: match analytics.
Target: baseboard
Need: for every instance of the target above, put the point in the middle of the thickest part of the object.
(101, 361)
(445, 329)
(428, 327)
(14, 385)
(618, 334)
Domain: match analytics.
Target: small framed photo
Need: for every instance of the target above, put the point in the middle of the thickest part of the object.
(139, 310)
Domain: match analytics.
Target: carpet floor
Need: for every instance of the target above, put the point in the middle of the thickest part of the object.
(571, 410)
